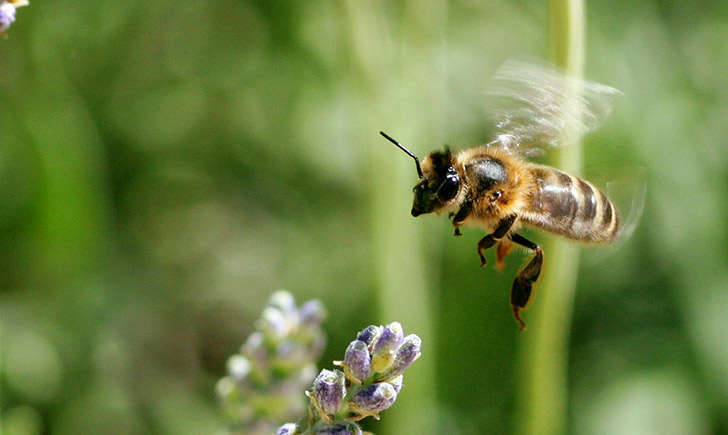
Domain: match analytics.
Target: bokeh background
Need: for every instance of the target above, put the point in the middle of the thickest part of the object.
(166, 165)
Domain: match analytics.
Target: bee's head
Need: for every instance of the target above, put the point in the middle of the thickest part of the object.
(439, 181)
(438, 184)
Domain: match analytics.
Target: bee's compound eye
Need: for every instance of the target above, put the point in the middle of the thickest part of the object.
(449, 187)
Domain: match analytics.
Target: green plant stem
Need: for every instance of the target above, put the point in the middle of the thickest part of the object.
(543, 400)
(403, 283)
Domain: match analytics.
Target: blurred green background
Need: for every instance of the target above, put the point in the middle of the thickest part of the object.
(166, 165)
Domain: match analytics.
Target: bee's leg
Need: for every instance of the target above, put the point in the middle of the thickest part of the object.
(521, 290)
(461, 215)
(491, 239)
(457, 229)
(504, 248)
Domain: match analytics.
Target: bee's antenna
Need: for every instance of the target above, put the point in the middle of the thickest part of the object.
(409, 153)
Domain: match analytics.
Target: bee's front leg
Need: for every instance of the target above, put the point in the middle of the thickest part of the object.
(521, 290)
(457, 229)
(504, 225)
(461, 215)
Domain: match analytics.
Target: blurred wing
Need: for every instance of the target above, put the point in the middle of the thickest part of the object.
(627, 189)
(533, 104)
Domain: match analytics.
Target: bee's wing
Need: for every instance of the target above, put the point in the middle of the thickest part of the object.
(534, 104)
(627, 189)
(629, 197)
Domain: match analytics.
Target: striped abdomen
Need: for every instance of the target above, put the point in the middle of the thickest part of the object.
(570, 206)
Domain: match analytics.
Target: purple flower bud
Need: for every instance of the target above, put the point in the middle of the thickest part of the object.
(390, 339)
(338, 429)
(224, 388)
(254, 347)
(274, 323)
(238, 367)
(384, 347)
(374, 399)
(397, 383)
(7, 15)
(369, 334)
(312, 313)
(328, 392)
(284, 301)
(407, 353)
(290, 356)
(357, 362)
(287, 429)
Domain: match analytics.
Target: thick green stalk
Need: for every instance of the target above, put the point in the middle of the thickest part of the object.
(403, 280)
(406, 289)
(543, 400)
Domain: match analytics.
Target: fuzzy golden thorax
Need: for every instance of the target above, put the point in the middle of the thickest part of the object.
(494, 182)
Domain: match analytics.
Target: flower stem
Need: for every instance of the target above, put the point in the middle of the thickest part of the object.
(543, 395)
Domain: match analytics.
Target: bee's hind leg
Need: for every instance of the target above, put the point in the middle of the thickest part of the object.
(504, 248)
(521, 290)
(491, 239)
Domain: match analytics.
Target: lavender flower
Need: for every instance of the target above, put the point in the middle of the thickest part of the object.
(284, 301)
(373, 399)
(274, 365)
(339, 399)
(369, 334)
(328, 393)
(312, 312)
(396, 383)
(7, 16)
(386, 345)
(254, 347)
(357, 362)
(343, 428)
(406, 354)
(7, 12)
(238, 367)
(287, 429)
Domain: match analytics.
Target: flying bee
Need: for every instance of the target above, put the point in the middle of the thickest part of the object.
(495, 187)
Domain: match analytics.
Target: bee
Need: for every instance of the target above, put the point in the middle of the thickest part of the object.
(494, 187)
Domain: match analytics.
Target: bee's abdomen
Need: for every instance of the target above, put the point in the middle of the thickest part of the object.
(570, 206)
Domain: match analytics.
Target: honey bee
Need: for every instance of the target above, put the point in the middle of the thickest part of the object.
(495, 187)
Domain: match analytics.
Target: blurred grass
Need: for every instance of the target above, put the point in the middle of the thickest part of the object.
(164, 166)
